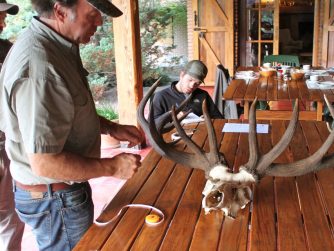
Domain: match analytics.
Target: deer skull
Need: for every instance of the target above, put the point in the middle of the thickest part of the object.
(225, 190)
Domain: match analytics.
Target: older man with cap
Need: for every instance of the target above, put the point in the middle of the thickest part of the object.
(51, 125)
(191, 77)
(11, 228)
(5, 9)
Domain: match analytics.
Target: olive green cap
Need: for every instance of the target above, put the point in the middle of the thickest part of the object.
(196, 69)
(106, 7)
(11, 9)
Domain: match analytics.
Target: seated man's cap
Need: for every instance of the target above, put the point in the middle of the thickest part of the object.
(11, 9)
(197, 69)
(106, 7)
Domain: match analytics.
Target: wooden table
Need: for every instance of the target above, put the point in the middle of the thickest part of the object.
(273, 89)
(286, 213)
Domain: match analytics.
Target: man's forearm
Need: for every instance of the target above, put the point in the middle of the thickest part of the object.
(106, 125)
(67, 166)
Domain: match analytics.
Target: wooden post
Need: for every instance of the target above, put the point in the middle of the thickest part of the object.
(128, 61)
(316, 32)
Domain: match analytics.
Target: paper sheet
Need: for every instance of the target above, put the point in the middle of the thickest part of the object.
(237, 127)
(191, 118)
(246, 75)
(324, 82)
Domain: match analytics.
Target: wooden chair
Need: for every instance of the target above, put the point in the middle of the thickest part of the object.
(227, 108)
(291, 60)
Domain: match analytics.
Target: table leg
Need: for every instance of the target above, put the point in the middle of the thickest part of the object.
(246, 110)
(319, 110)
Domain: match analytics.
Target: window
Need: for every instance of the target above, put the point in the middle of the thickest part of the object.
(260, 31)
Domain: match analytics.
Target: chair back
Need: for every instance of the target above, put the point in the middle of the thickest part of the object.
(227, 108)
(291, 60)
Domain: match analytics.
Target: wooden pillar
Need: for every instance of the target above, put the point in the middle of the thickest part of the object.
(128, 61)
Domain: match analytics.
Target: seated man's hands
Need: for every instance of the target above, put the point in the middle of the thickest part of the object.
(180, 114)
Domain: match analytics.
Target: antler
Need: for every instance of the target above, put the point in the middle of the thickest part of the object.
(314, 162)
(198, 158)
(225, 190)
(259, 165)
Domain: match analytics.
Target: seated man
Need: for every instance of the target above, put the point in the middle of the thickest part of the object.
(191, 77)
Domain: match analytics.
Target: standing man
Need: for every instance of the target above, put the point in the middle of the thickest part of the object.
(11, 228)
(51, 125)
(191, 77)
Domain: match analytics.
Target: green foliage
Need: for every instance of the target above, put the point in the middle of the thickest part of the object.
(98, 56)
(156, 22)
(16, 23)
(106, 112)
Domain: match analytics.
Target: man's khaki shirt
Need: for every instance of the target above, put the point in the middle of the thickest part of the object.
(45, 102)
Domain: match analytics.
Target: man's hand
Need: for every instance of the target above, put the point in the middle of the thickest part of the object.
(127, 133)
(122, 166)
(122, 132)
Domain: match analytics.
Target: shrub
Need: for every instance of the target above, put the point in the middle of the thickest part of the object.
(106, 111)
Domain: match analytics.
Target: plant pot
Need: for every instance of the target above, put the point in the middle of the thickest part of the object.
(108, 141)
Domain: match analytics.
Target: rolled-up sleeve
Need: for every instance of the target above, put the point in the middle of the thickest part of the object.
(46, 122)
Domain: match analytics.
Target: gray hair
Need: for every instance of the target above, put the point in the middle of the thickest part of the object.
(45, 7)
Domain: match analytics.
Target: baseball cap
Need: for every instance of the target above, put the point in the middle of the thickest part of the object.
(106, 7)
(11, 9)
(196, 69)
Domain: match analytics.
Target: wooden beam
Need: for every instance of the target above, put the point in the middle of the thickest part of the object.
(221, 11)
(209, 50)
(315, 59)
(229, 40)
(195, 54)
(276, 28)
(326, 17)
(128, 61)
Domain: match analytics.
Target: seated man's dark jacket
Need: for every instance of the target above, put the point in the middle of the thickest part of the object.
(166, 98)
(5, 46)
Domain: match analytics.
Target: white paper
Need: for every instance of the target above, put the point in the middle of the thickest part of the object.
(237, 127)
(246, 75)
(324, 82)
(191, 118)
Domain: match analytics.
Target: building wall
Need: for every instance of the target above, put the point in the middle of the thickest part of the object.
(180, 34)
(190, 28)
(190, 16)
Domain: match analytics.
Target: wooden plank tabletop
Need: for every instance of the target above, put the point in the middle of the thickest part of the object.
(274, 89)
(295, 213)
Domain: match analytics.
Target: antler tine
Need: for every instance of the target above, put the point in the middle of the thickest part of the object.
(252, 140)
(168, 127)
(214, 155)
(158, 143)
(331, 111)
(312, 163)
(330, 107)
(269, 157)
(142, 104)
(165, 124)
(191, 144)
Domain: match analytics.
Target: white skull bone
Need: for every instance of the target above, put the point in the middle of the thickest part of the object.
(227, 191)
